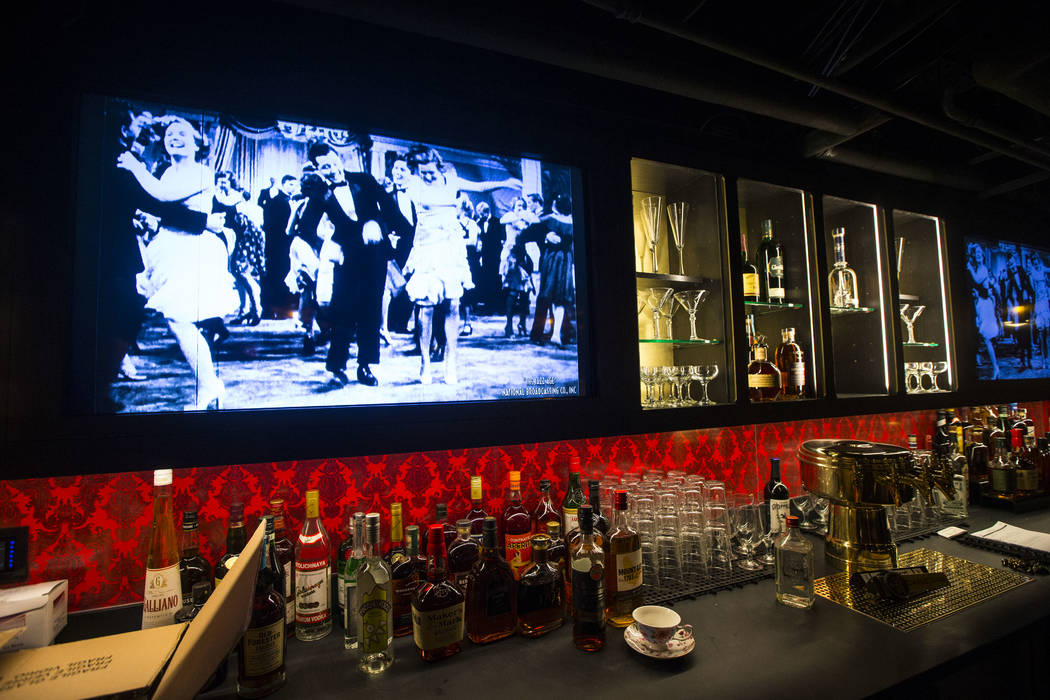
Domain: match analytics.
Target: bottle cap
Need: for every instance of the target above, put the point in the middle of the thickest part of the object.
(489, 523)
(268, 522)
(767, 227)
(620, 499)
(189, 519)
(412, 537)
(586, 516)
(774, 461)
(441, 509)
(515, 480)
(313, 503)
(593, 488)
(436, 540)
(574, 463)
(277, 506)
(395, 509)
(791, 521)
(463, 522)
(554, 529)
(540, 542)
(372, 528)
(475, 488)
(787, 333)
(162, 477)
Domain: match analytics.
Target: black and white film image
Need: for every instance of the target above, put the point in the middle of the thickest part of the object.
(280, 264)
(1011, 297)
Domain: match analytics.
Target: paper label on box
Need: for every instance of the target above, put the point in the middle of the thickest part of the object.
(263, 649)
(162, 598)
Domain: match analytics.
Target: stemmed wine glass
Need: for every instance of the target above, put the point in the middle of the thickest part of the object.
(939, 368)
(657, 299)
(806, 504)
(705, 374)
(677, 213)
(652, 212)
(768, 556)
(690, 301)
(911, 372)
(669, 373)
(650, 375)
(909, 314)
(748, 523)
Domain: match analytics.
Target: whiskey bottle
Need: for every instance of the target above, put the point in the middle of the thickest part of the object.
(541, 604)
(313, 567)
(396, 550)
(794, 567)
(517, 528)
(749, 272)
(763, 377)
(623, 567)
(1001, 469)
(791, 362)
(477, 513)
(193, 568)
(588, 588)
(771, 258)
(441, 518)
(236, 539)
(438, 606)
(409, 575)
(601, 524)
(557, 551)
(492, 603)
(777, 498)
(353, 564)
(373, 604)
(198, 597)
(462, 555)
(1027, 473)
(574, 498)
(260, 663)
(842, 280)
(163, 590)
(286, 557)
(545, 509)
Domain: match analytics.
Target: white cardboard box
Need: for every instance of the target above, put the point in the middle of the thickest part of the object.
(40, 609)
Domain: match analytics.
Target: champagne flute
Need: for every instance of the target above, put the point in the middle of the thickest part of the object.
(677, 213)
(652, 213)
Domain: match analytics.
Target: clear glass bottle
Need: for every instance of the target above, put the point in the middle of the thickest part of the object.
(313, 575)
(842, 280)
(342, 557)
(623, 567)
(374, 605)
(517, 528)
(791, 362)
(477, 513)
(353, 566)
(541, 593)
(236, 539)
(286, 556)
(794, 567)
(588, 588)
(958, 506)
(438, 608)
(771, 259)
(492, 605)
(193, 568)
(163, 592)
(260, 661)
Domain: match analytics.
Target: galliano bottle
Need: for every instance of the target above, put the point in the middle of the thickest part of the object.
(162, 597)
(260, 663)
(373, 605)
(313, 567)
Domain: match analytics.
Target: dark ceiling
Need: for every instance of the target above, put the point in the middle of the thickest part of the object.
(951, 92)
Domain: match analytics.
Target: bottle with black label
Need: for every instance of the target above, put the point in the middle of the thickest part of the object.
(260, 663)
(777, 497)
(771, 258)
(588, 588)
(493, 600)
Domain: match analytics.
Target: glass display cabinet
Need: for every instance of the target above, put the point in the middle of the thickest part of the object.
(856, 293)
(782, 313)
(924, 303)
(680, 242)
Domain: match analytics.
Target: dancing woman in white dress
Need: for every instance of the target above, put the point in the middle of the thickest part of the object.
(186, 276)
(985, 301)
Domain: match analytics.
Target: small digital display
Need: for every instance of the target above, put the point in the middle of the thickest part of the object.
(1010, 288)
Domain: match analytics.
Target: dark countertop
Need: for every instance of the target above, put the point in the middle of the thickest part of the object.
(747, 646)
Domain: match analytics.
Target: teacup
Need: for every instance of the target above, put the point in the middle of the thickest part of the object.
(658, 624)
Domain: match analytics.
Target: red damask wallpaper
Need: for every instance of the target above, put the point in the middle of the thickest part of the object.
(93, 529)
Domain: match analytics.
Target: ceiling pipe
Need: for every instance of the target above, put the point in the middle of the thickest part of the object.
(873, 99)
(953, 111)
(817, 143)
(922, 14)
(932, 173)
(1016, 184)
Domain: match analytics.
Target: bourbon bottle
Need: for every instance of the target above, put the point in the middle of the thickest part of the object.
(492, 603)
(623, 567)
(791, 362)
(541, 603)
(260, 663)
(588, 588)
(462, 555)
(763, 377)
(438, 606)
(409, 575)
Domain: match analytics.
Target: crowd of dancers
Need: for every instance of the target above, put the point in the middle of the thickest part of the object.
(355, 259)
(1012, 306)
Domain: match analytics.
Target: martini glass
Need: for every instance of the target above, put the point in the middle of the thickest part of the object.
(652, 212)
(657, 300)
(643, 296)
(705, 375)
(909, 314)
(690, 301)
(671, 308)
(677, 213)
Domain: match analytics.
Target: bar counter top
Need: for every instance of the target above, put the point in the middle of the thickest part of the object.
(747, 645)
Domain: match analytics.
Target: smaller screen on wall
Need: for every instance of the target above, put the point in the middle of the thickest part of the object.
(1010, 288)
(247, 263)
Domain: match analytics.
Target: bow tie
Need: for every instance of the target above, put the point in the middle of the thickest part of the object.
(336, 185)
(399, 189)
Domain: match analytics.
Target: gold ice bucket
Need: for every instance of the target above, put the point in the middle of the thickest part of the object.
(860, 479)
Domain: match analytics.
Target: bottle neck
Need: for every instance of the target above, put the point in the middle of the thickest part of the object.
(539, 555)
(774, 471)
(437, 565)
(236, 538)
(620, 519)
(359, 536)
(515, 495)
(190, 543)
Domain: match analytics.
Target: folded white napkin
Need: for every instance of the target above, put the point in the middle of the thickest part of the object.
(1010, 534)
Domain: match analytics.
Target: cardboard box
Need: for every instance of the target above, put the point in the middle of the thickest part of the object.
(40, 610)
(170, 662)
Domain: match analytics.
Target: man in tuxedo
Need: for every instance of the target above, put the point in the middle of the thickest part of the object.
(277, 209)
(492, 236)
(362, 216)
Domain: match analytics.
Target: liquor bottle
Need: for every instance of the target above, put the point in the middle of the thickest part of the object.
(517, 528)
(623, 567)
(438, 606)
(771, 259)
(396, 550)
(462, 555)
(791, 362)
(477, 513)
(373, 604)
(260, 663)
(763, 377)
(193, 568)
(980, 476)
(313, 571)
(794, 567)
(1027, 473)
(492, 603)
(574, 498)
(777, 497)
(441, 518)
(749, 272)
(1001, 469)
(842, 280)
(286, 556)
(601, 524)
(545, 509)
(541, 589)
(236, 539)
(408, 576)
(198, 597)
(342, 557)
(1043, 448)
(556, 550)
(960, 474)
(353, 565)
(588, 588)
(163, 591)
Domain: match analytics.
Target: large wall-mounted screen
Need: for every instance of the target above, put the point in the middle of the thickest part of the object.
(247, 263)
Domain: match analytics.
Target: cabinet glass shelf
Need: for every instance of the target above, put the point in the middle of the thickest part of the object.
(844, 310)
(679, 279)
(699, 341)
(760, 308)
(922, 345)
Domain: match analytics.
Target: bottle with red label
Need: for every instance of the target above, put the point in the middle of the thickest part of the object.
(517, 529)
(313, 575)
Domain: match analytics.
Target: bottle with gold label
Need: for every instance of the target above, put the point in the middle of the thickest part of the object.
(763, 377)
(373, 605)
(791, 362)
(517, 528)
(163, 593)
(438, 607)
(236, 539)
(260, 663)
(541, 593)
(492, 604)
(313, 575)
(588, 588)
(623, 567)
